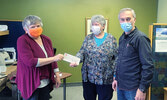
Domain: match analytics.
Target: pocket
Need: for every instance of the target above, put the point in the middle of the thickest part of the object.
(129, 50)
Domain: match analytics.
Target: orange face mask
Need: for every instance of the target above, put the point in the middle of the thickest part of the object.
(36, 32)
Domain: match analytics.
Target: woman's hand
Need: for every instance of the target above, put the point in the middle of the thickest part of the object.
(58, 57)
(73, 64)
(57, 79)
(114, 85)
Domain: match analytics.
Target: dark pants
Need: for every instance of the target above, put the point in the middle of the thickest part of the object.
(90, 91)
(41, 93)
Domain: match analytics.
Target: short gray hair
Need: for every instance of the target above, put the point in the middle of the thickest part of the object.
(127, 9)
(99, 19)
(31, 20)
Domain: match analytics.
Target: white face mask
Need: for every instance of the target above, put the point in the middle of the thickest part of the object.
(96, 30)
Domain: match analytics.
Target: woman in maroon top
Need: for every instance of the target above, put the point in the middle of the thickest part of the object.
(37, 63)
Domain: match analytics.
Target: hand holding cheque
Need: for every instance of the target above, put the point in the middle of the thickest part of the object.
(58, 57)
(73, 60)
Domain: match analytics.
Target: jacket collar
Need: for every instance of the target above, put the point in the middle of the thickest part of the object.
(130, 34)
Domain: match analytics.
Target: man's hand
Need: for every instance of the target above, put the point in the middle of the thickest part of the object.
(140, 95)
(114, 85)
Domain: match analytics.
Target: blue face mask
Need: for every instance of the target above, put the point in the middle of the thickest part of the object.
(127, 27)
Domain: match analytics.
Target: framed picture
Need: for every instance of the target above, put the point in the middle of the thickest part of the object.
(159, 31)
(158, 37)
(88, 29)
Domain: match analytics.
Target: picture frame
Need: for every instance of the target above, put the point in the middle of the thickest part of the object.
(87, 26)
(158, 41)
(159, 32)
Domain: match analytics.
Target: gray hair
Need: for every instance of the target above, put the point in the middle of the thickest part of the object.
(127, 9)
(31, 20)
(99, 19)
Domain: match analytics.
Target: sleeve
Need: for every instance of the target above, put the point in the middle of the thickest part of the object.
(25, 53)
(56, 70)
(38, 65)
(146, 59)
(115, 53)
(81, 52)
(54, 64)
(115, 67)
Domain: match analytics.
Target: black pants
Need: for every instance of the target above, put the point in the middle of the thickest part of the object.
(41, 93)
(90, 91)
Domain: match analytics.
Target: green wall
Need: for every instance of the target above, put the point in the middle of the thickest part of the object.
(64, 20)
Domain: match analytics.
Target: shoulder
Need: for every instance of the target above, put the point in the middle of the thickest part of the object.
(23, 37)
(89, 37)
(142, 36)
(140, 33)
(45, 37)
(24, 40)
(46, 40)
(110, 36)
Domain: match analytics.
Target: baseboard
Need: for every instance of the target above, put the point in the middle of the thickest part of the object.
(72, 84)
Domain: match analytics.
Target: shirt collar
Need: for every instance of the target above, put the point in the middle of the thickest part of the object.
(131, 33)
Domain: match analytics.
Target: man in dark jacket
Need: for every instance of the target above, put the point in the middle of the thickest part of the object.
(134, 65)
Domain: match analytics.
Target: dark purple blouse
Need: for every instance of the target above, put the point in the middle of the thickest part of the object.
(28, 75)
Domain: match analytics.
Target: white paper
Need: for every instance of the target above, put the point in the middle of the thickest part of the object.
(161, 40)
(3, 27)
(70, 58)
(161, 46)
